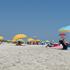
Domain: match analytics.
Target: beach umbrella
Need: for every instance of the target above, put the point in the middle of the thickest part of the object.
(37, 40)
(47, 41)
(65, 29)
(19, 36)
(30, 39)
(1, 37)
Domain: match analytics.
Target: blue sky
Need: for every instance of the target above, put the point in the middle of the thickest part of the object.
(40, 18)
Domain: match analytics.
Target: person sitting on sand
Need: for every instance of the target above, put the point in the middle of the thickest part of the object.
(63, 43)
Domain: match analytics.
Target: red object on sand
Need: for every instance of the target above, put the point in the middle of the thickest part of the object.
(56, 45)
(59, 47)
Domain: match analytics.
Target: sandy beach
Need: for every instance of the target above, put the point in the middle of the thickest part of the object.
(33, 58)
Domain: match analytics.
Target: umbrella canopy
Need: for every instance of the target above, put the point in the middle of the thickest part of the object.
(19, 36)
(30, 39)
(65, 29)
(37, 40)
(1, 37)
(47, 41)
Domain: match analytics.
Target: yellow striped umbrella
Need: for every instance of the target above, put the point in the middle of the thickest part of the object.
(19, 36)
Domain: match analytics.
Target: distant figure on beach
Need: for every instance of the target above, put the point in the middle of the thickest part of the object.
(19, 43)
(64, 44)
(51, 43)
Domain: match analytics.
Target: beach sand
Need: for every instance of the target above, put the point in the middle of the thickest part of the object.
(33, 58)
